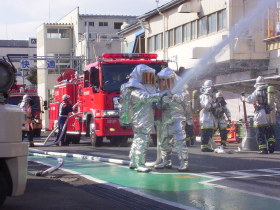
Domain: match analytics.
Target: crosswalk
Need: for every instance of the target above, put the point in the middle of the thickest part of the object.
(243, 173)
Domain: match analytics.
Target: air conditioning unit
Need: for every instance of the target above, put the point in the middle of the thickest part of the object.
(190, 7)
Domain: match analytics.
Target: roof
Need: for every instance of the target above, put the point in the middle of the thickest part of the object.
(167, 6)
(108, 16)
(14, 43)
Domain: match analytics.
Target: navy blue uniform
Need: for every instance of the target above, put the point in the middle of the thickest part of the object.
(64, 109)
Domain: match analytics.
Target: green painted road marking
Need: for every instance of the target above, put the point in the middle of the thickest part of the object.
(183, 188)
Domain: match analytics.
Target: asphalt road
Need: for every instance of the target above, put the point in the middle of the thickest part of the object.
(62, 190)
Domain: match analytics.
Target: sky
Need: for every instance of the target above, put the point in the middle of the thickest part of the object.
(19, 19)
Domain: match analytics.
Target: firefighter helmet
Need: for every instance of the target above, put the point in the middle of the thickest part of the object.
(219, 94)
(260, 81)
(25, 97)
(65, 97)
(208, 84)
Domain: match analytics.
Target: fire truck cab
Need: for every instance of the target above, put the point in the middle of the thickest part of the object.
(98, 91)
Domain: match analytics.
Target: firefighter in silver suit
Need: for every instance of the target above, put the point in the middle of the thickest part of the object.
(173, 121)
(207, 120)
(137, 98)
(263, 114)
(221, 112)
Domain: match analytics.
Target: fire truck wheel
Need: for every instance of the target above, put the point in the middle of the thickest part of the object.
(3, 188)
(76, 139)
(119, 141)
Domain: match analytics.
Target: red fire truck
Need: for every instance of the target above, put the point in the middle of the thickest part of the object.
(16, 94)
(98, 90)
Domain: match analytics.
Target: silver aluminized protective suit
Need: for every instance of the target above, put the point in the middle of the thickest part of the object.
(173, 121)
(206, 117)
(140, 113)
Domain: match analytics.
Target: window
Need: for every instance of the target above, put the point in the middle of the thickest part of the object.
(58, 33)
(178, 35)
(151, 44)
(222, 19)
(170, 38)
(187, 32)
(89, 23)
(117, 25)
(158, 42)
(103, 23)
(193, 26)
(202, 26)
(212, 23)
(166, 39)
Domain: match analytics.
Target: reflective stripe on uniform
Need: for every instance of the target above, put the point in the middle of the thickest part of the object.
(207, 127)
(262, 146)
(203, 146)
(271, 140)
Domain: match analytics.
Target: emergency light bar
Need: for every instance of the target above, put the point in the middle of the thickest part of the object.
(130, 55)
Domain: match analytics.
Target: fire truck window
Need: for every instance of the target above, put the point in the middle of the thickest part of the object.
(94, 78)
(86, 79)
(114, 75)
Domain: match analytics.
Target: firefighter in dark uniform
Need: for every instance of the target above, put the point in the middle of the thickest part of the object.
(64, 109)
(221, 112)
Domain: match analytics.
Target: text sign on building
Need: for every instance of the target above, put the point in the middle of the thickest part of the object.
(24, 64)
(51, 64)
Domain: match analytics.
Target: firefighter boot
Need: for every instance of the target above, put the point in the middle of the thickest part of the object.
(181, 150)
(184, 165)
(271, 145)
(262, 149)
(165, 163)
(31, 144)
(141, 164)
(204, 148)
(223, 144)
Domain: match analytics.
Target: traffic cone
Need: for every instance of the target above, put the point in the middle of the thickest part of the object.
(249, 141)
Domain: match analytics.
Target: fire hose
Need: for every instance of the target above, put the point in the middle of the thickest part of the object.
(34, 152)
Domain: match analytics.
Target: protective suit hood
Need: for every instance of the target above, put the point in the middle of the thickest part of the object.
(136, 76)
(168, 73)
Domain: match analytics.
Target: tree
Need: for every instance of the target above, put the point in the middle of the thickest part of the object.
(32, 77)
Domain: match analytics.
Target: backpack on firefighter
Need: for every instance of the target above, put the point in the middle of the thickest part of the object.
(265, 99)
